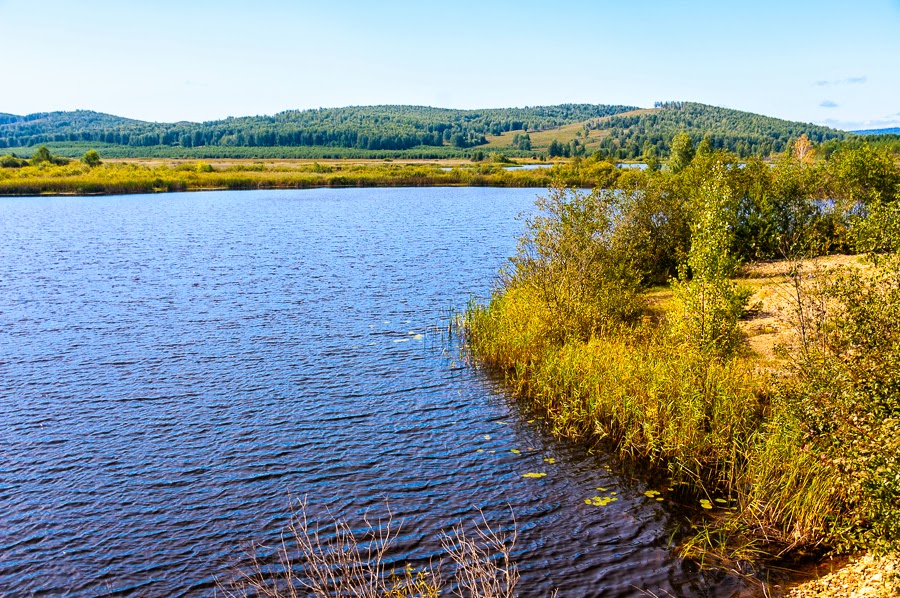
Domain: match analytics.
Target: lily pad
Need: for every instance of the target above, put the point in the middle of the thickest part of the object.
(533, 475)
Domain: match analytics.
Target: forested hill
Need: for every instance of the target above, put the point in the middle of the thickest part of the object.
(744, 133)
(364, 128)
(623, 132)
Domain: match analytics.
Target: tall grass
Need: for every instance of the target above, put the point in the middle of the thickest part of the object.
(633, 387)
(118, 178)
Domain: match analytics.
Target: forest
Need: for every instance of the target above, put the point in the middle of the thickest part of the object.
(361, 128)
(566, 130)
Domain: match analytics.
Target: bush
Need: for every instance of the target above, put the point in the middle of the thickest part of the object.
(11, 161)
(91, 158)
(568, 261)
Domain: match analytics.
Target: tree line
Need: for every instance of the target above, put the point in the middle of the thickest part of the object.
(366, 128)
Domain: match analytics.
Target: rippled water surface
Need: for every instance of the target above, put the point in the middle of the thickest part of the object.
(174, 368)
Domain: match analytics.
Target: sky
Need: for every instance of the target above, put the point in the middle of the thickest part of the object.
(832, 63)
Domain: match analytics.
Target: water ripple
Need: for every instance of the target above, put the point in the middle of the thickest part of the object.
(174, 368)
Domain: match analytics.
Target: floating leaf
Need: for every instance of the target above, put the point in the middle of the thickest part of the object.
(480, 451)
(659, 500)
(721, 501)
(487, 436)
(515, 451)
(705, 503)
(550, 460)
(530, 421)
(601, 489)
(533, 475)
(418, 337)
(651, 493)
(602, 501)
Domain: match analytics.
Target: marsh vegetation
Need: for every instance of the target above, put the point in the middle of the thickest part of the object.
(624, 316)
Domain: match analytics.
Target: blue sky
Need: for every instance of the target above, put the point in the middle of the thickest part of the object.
(835, 63)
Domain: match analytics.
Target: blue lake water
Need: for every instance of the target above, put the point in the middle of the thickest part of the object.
(174, 368)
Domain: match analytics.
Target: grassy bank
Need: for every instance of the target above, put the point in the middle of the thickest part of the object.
(653, 320)
(77, 178)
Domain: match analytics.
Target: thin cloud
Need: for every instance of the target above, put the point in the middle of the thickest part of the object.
(828, 104)
(848, 81)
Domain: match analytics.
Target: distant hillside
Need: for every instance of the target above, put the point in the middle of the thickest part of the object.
(742, 132)
(623, 132)
(891, 131)
(361, 128)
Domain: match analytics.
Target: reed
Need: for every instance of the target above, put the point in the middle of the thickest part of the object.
(330, 557)
(129, 178)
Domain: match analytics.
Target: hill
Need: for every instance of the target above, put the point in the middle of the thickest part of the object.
(623, 132)
(369, 128)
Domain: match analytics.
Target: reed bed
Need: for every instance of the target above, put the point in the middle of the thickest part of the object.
(129, 178)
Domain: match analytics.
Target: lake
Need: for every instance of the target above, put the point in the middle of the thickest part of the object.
(174, 369)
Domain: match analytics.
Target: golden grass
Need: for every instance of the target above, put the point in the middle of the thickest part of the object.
(150, 177)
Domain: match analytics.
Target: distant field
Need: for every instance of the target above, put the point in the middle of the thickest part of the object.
(540, 140)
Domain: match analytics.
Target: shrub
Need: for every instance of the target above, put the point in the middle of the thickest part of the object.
(708, 302)
(91, 158)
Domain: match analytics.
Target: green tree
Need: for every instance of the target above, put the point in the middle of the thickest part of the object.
(704, 147)
(91, 158)
(681, 152)
(41, 155)
(555, 149)
(708, 302)
(650, 157)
